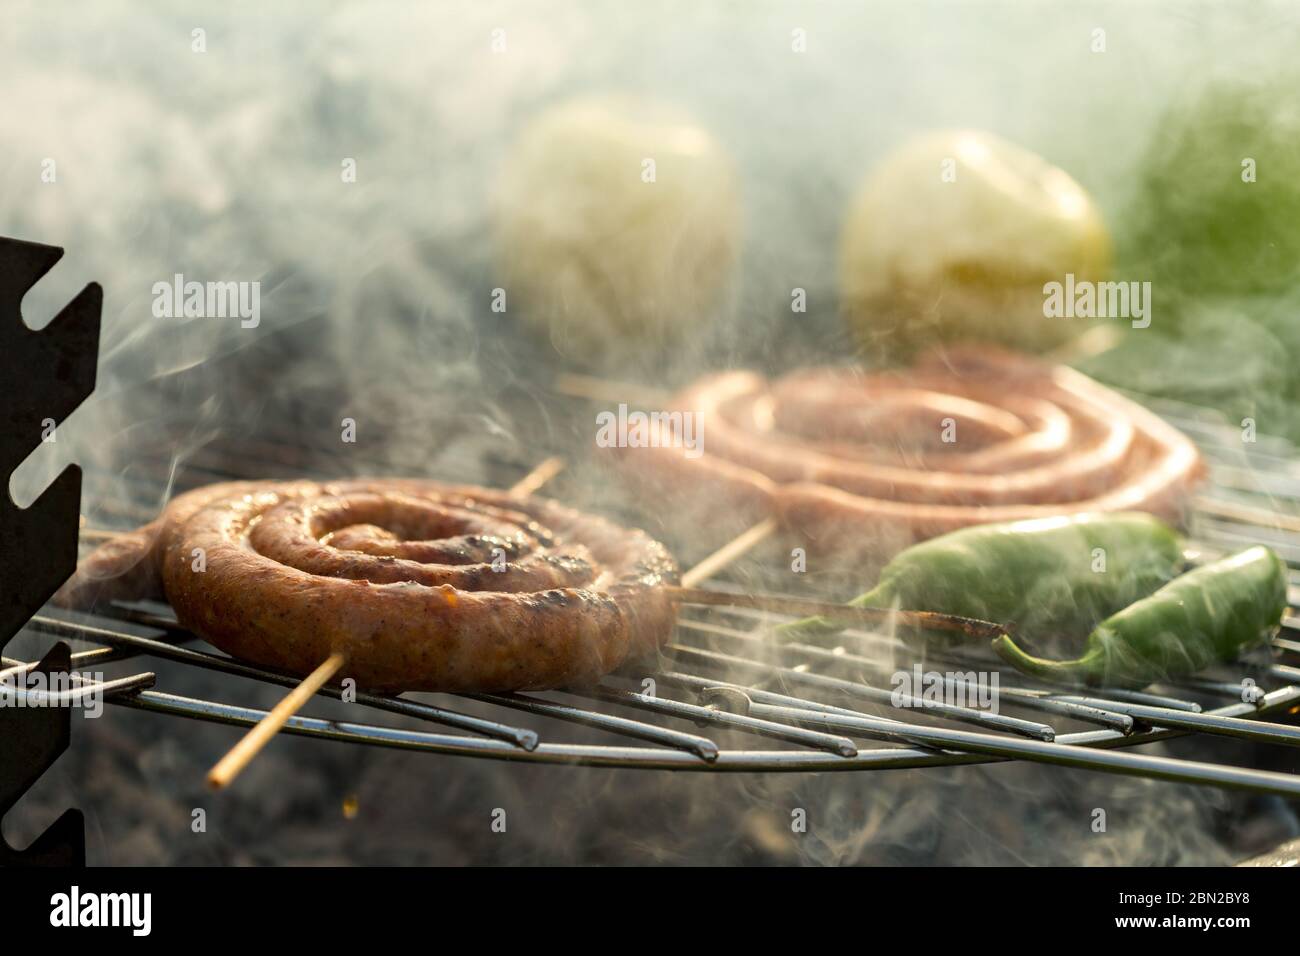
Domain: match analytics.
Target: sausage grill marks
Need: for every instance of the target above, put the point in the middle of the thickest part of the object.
(881, 460)
(423, 586)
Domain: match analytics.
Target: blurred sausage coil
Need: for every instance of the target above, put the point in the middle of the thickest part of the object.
(849, 459)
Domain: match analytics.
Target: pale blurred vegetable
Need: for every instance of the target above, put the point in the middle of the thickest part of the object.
(1200, 225)
(617, 225)
(1222, 254)
(953, 237)
(1212, 353)
(1234, 354)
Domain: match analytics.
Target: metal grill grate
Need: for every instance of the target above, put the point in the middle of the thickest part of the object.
(811, 708)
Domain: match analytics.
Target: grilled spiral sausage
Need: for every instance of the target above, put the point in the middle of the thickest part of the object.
(423, 586)
(848, 459)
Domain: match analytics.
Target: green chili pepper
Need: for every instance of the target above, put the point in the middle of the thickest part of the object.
(1045, 577)
(1206, 615)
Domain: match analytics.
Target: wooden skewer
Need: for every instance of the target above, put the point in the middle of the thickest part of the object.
(838, 613)
(1252, 515)
(532, 482)
(229, 766)
(729, 552)
(1095, 341)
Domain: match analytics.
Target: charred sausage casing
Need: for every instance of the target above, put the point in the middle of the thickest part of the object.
(422, 586)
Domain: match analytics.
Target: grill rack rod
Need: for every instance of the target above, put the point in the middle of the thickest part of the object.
(863, 691)
(1258, 731)
(702, 747)
(832, 743)
(890, 643)
(1161, 768)
(527, 739)
(839, 657)
(1076, 750)
(1096, 711)
(1020, 697)
(1084, 754)
(1225, 532)
(83, 687)
(134, 644)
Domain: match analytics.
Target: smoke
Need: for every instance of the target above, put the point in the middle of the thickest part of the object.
(228, 164)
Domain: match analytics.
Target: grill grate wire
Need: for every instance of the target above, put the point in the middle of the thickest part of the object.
(805, 698)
